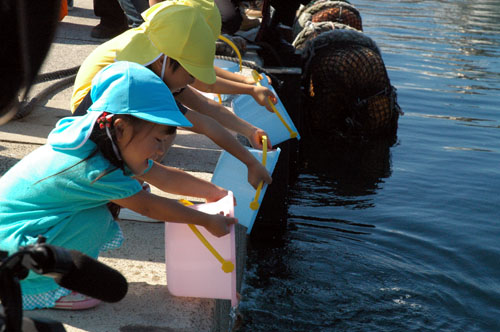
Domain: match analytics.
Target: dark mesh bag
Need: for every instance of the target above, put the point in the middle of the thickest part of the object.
(307, 6)
(340, 14)
(349, 93)
(327, 11)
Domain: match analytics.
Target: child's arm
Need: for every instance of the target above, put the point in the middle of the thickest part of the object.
(176, 181)
(232, 83)
(162, 208)
(195, 101)
(226, 86)
(203, 124)
(234, 76)
(223, 73)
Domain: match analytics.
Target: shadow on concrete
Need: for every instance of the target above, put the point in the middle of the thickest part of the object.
(143, 300)
(6, 162)
(37, 124)
(144, 241)
(82, 12)
(74, 33)
(192, 159)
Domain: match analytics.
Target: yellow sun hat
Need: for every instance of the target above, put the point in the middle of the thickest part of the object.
(178, 29)
(208, 10)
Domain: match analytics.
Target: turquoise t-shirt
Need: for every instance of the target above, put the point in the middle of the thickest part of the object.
(50, 193)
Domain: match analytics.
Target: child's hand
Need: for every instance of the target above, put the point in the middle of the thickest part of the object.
(218, 224)
(258, 173)
(250, 80)
(261, 94)
(256, 139)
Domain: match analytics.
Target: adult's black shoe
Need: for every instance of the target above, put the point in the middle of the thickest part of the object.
(102, 31)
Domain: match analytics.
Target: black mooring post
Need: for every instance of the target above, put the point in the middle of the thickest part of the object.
(271, 221)
(291, 95)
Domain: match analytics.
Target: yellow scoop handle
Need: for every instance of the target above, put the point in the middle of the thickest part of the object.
(235, 48)
(227, 266)
(257, 77)
(254, 205)
(230, 43)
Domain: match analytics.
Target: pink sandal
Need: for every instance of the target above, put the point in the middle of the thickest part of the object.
(76, 301)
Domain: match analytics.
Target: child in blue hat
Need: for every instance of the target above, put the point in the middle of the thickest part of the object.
(92, 162)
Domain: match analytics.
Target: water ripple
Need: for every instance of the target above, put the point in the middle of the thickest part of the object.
(400, 237)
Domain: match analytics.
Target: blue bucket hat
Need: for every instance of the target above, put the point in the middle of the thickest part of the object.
(120, 88)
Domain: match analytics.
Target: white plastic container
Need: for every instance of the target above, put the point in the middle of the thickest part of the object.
(194, 271)
(230, 173)
(249, 110)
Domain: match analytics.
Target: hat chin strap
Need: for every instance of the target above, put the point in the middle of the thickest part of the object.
(165, 57)
(115, 148)
(113, 145)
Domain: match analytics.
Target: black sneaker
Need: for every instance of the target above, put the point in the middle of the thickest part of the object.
(102, 31)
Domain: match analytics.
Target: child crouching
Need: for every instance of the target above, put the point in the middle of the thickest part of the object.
(62, 190)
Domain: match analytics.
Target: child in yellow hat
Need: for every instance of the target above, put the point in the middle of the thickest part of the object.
(227, 82)
(177, 42)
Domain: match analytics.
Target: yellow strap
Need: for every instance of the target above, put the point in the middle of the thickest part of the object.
(257, 77)
(185, 202)
(227, 266)
(254, 205)
(230, 43)
(235, 48)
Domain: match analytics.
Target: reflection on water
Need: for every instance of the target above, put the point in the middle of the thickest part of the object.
(399, 235)
(347, 170)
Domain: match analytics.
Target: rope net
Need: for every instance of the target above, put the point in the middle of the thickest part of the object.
(328, 11)
(339, 14)
(349, 93)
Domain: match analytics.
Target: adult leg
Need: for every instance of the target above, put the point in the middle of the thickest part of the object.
(133, 10)
(113, 20)
(278, 50)
(230, 14)
(285, 10)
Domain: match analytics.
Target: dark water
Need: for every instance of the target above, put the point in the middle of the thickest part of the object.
(401, 237)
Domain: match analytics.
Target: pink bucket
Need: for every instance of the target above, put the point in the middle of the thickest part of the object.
(192, 269)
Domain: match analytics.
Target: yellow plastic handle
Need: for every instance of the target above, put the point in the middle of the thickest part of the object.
(254, 205)
(257, 77)
(227, 266)
(234, 47)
